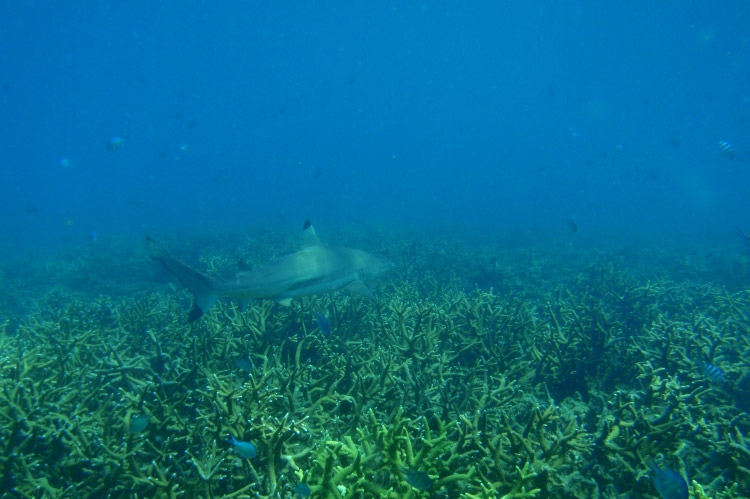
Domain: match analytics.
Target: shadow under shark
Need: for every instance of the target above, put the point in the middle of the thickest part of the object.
(314, 269)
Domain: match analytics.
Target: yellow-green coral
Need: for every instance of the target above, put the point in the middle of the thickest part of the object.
(556, 377)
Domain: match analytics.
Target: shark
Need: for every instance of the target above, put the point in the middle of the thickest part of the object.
(315, 269)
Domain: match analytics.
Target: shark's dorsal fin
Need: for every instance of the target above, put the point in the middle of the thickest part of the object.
(309, 237)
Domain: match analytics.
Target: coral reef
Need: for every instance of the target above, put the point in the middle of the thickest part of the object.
(543, 372)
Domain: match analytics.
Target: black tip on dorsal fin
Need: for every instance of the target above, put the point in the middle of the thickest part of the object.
(309, 237)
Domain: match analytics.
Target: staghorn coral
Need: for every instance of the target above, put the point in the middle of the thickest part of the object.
(526, 382)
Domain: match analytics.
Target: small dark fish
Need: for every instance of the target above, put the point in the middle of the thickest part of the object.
(139, 423)
(159, 363)
(302, 490)
(115, 143)
(727, 149)
(572, 225)
(418, 479)
(744, 235)
(669, 483)
(245, 450)
(32, 208)
(323, 323)
(714, 373)
(136, 201)
(317, 174)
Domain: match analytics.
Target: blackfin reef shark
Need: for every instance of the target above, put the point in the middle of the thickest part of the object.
(314, 269)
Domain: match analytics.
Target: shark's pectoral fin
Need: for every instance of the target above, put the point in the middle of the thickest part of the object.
(359, 287)
(195, 313)
(201, 303)
(284, 301)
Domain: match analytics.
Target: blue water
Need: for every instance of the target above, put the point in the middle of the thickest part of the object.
(499, 115)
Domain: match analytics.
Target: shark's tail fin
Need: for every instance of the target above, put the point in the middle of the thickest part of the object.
(202, 286)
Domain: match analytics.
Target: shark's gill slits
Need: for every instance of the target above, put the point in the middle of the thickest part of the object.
(307, 283)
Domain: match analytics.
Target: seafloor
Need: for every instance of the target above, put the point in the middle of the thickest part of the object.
(514, 366)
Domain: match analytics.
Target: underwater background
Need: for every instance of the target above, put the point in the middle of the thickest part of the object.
(562, 187)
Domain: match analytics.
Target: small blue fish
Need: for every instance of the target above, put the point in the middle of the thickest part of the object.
(115, 143)
(323, 323)
(714, 373)
(139, 423)
(418, 479)
(243, 363)
(302, 490)
(245, 450)
(669, 483)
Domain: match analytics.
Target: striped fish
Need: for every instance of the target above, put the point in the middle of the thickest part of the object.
(714, 373)
(744, 235)
(727, 149)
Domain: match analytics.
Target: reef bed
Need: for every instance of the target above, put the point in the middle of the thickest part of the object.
(487, 368)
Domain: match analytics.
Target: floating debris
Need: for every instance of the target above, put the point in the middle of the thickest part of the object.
(139, 424)
(669, 483)
(323, 323)
(302, 490)
(418, 479)
(115, 143)
(245, 450)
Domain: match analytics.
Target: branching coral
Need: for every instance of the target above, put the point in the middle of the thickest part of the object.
(535, 383)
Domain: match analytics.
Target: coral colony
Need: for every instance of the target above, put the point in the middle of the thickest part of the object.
(480, 371)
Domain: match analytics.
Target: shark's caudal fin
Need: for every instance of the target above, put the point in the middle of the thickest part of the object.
(202, 286)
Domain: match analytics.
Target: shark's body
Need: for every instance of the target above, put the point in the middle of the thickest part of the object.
(313, 270)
